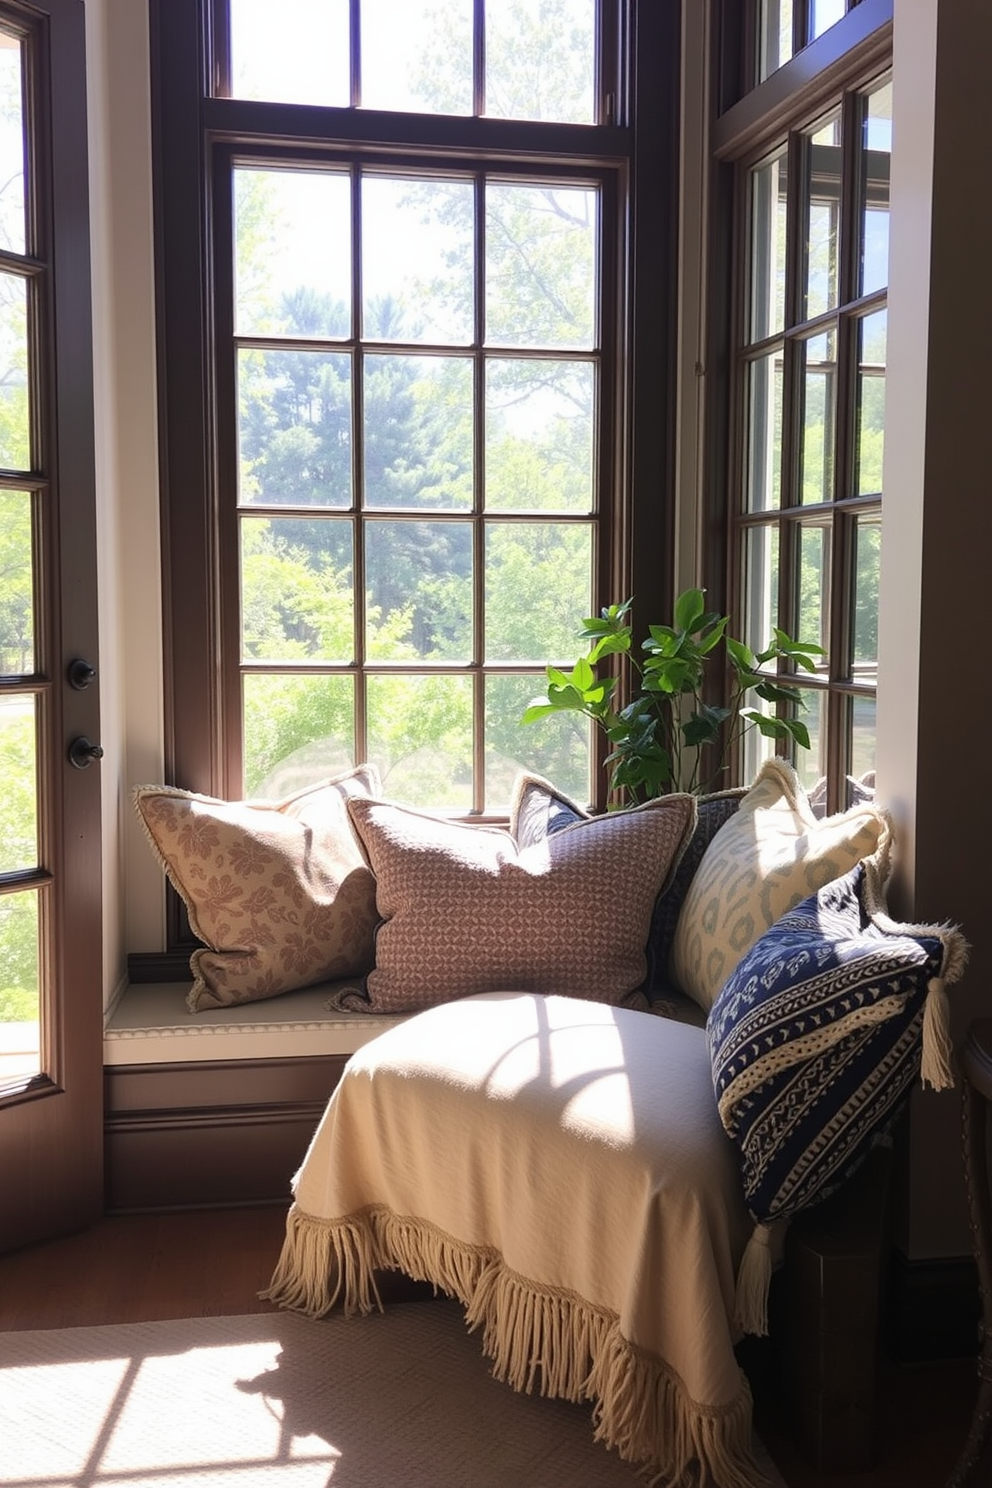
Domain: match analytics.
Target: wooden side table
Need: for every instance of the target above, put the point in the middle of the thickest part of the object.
(976, 1060)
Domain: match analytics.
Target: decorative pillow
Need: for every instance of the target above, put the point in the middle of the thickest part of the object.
(463, 910)
(279, 891)
(770, 855)
(815, 1041)
(538, 809)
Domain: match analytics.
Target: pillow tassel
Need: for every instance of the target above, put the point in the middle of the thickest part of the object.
(935, 1064)
(753, 1281)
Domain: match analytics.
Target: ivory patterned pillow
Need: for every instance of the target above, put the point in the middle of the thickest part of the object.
(279, 891)
(463, 910)
(766, 859)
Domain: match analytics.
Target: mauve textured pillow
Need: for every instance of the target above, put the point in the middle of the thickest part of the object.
(279, 891)
(463, 910)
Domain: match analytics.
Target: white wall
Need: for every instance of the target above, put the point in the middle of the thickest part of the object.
(126, 468)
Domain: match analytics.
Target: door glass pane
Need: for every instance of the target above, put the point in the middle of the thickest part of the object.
(420, 737)
(817, 433)
(417, 56)
(764, 432)
(539, 435)
(867, 569)
(541, 245)
(298, 729)
(19, 773)
(20, 1002)
(296, 590)
(12, 230)
(760, 586)
(768, 186)
(15, 423)
(875, 168)
(418, 432)
(424, 293)
(316, 69)
(16, 585)
(418, 591)
(559, 748)
(813, 621)
(869, 440)
(774, 35)
(292, 253)
(538, 586)
(294, 428)
(541, 60)
(822, 214)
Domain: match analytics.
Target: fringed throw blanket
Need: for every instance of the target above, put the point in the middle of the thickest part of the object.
(559, 1167)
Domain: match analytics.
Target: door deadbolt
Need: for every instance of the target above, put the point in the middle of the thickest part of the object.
(81, 673)
(82, 752)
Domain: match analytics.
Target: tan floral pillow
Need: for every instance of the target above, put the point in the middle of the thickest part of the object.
(278, 891)
(463, 910)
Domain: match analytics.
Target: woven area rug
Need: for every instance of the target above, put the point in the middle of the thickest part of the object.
(401, 1399)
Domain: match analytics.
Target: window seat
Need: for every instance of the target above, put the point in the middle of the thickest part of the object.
(218, 1108)
(151, 1024)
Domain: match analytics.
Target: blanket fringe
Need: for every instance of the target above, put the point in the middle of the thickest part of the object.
(538, 1338)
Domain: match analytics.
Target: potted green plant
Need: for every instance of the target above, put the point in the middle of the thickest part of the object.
(659, 739)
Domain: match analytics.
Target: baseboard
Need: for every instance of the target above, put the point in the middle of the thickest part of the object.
(934, 1308)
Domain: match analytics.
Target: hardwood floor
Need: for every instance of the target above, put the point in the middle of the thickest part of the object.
(138, 1268)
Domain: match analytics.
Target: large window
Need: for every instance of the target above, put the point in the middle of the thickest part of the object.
(808, 398)
(396, 269)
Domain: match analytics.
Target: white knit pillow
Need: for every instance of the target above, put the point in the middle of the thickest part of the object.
(771, 854)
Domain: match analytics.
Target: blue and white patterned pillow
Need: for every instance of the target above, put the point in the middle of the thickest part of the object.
(815, 1039)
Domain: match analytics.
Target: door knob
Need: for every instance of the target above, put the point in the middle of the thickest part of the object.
(82, 752)
(81, 673)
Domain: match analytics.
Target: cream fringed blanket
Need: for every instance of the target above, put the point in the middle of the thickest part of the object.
(560, 1168)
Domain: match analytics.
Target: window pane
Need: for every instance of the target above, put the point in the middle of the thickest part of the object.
(813, 621)
(15, 434)
(768, 195)
(811, 763)
(316, 69)
(764, 433)
(417, 55)
(822, 210)
(425, 292)
(867, 568)
(20, 1046)
(760, 586)
(876, 162)
(12, 231)
(539, 435)
(861, 780)
(296, 590)
(418, 591)
(817, 434)
(538, 587)
(823, 14)
(292, 251)
(16, 588)
(541, 265)
(418, 432)
(420, 737)
(298, 729)
(294, 428)
(541, 60)
(559, 747)
(774, 36)
(18, 771)
(870, 412)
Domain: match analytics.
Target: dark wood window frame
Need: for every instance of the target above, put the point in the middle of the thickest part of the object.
(189, 124)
